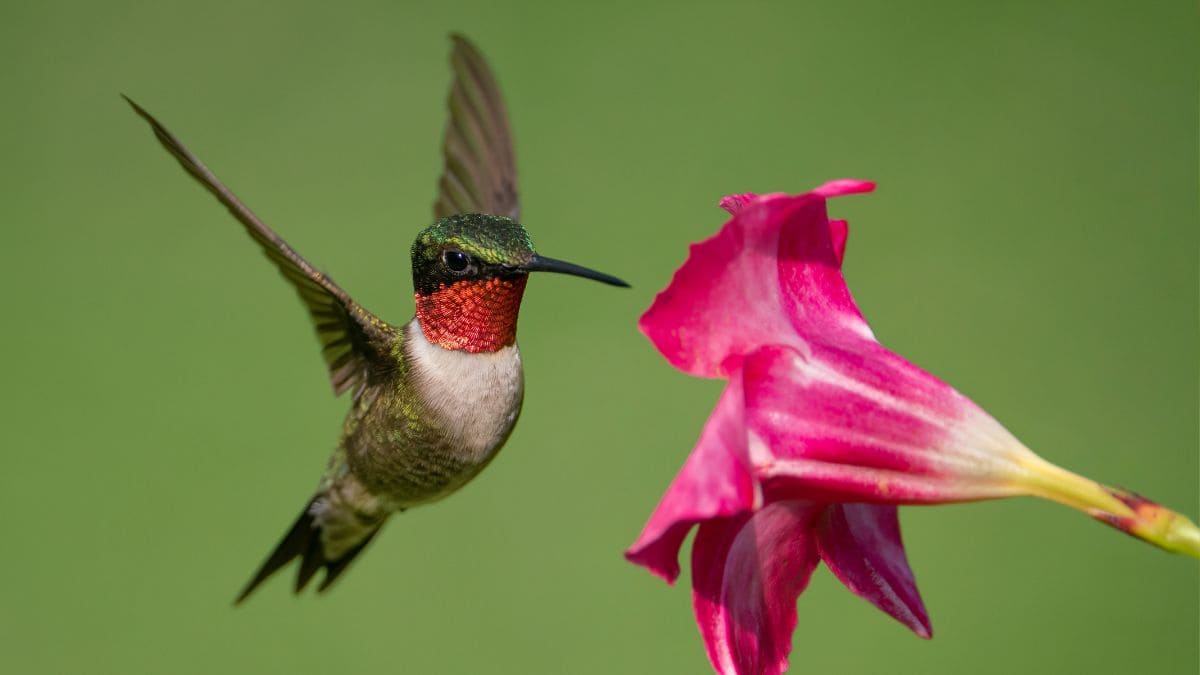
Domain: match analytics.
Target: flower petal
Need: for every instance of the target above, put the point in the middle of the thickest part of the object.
(812, 289)
(747, 572)
(855, 422)
(844, 186)
(734, 203)
(861, 545)
(772, 270)
(839, 231)
(714, 482)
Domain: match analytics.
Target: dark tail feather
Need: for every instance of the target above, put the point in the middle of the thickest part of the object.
(304, 541)
(334, 569)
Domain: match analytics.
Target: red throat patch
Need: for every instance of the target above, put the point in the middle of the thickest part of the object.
(476, 316)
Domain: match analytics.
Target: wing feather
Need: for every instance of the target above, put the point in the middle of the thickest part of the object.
(479, 173)
(353, 341)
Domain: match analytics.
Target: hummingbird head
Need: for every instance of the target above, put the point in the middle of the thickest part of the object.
(469, 272)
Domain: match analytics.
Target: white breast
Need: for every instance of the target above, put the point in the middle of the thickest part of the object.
(477, 396)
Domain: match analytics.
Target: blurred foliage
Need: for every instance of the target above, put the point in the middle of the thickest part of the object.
(1033, 241)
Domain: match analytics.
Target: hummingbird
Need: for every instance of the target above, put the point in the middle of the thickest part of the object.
(433, 400)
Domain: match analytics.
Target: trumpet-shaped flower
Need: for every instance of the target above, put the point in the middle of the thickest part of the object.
(819, 435)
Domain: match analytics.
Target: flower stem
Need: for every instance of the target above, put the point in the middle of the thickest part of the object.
(1131, 513)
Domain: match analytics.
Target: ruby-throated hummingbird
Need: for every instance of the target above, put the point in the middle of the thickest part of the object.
(435, 399)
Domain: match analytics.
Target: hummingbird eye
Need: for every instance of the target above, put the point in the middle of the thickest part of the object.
(457, 261)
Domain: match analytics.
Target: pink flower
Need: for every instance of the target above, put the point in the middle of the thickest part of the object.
(819, 434)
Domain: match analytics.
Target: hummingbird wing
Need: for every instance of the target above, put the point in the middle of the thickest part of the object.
(480, 172)
(352, 339)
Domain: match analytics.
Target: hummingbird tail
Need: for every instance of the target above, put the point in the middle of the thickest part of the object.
(319, 538)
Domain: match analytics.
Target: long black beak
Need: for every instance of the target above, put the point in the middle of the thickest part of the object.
(543, 264)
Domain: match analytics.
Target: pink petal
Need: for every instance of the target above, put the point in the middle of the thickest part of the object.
(747, 573)
(772, 269)
(861, 545)
(844, 186)
(714, 482)
(724, 301)
(813, 292)
(734, 203)
(839, 231)
(855, 422)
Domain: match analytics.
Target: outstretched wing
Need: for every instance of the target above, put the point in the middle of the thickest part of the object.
(480, 172)
(352, 339)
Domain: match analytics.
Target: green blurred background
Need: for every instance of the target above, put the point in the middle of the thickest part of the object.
(1034, 241)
